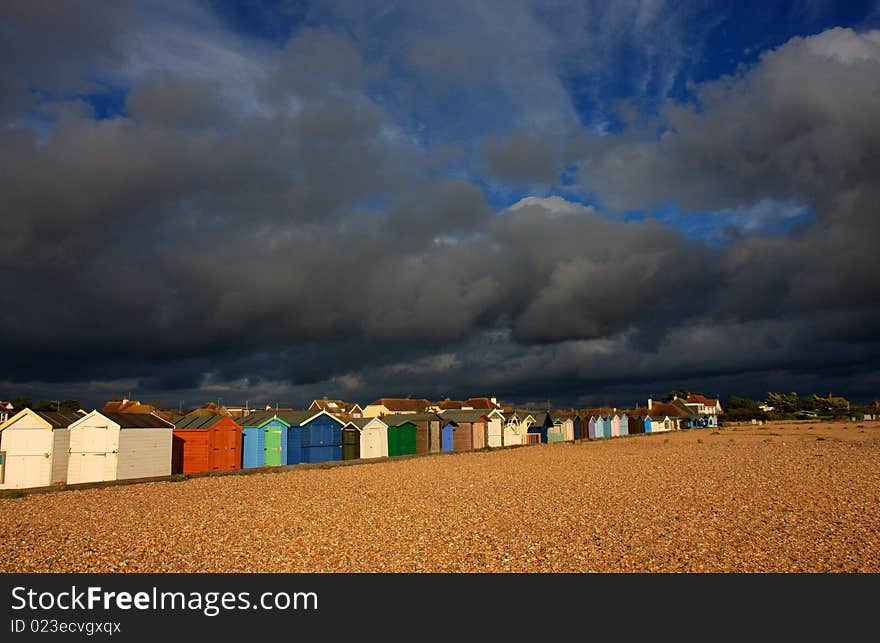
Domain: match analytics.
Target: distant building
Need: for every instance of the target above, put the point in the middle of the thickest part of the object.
(5, 408)
(387, 405)
(703, 405)
(338, 408)
(126, 405)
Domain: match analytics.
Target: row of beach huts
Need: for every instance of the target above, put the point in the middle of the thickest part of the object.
(46, 448)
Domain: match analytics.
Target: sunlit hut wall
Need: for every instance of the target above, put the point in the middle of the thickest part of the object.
(543, 421)
(34, 448)
(373, 435)
(351, 442)
(321, 437)
(472, 428)
(205, 443)
(401, 435)
(495, 428)
(253, 448)
(119, 446)
(427, 429)
(516, 425)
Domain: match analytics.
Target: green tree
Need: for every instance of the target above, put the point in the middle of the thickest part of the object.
(743, 408)
(21, 402)
(783, 403)
(70, 405)
(682, 393)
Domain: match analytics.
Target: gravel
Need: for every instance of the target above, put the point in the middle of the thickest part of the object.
(772, 498)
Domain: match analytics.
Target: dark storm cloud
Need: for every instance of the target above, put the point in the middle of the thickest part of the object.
(298, 240)
(800, 124)
(165, 99)
(524, 158)
(54, 44)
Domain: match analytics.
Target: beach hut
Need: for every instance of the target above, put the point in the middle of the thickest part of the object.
(471, 430)
(618, 425)
(591, 427)
(275, 442)
(428, 427)
(321, 437)
(253, 439)
(275, 438)
(34, 448)
(119, 446)
(373, 437)
(351, 442)
(603, 426)
(401, 438)
(542, 422)
(447, 436)
(205, 443)
(635, 420)
(623, 424)
(556, 433)
(571, 424)
(516, 425)
(495, 428)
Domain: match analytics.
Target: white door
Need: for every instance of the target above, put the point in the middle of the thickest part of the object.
(26, 460)
(369, 444)
(93, 454)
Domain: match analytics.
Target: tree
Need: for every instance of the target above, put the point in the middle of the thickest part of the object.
(827, 405)
(682, 393)
(21, 402)
(743, 408)
(70, 405)
(783, 403)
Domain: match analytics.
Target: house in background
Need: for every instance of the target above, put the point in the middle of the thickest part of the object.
(208, 410)
(34, 448)
(6, 409)
(126, 405)
(338, 408)
(388, 405)
(448, 404)
(708, 408)
(482, 404)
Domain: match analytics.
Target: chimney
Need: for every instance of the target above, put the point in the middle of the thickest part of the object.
(650, 402)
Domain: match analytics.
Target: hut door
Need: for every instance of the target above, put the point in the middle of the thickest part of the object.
(217, 449)
(93, 457)
(273, 446)
(373, 443)
(446, 438)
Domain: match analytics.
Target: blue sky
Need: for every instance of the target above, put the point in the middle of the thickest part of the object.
(695, 42)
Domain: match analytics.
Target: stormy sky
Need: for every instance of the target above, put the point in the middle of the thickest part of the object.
(575, 201)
